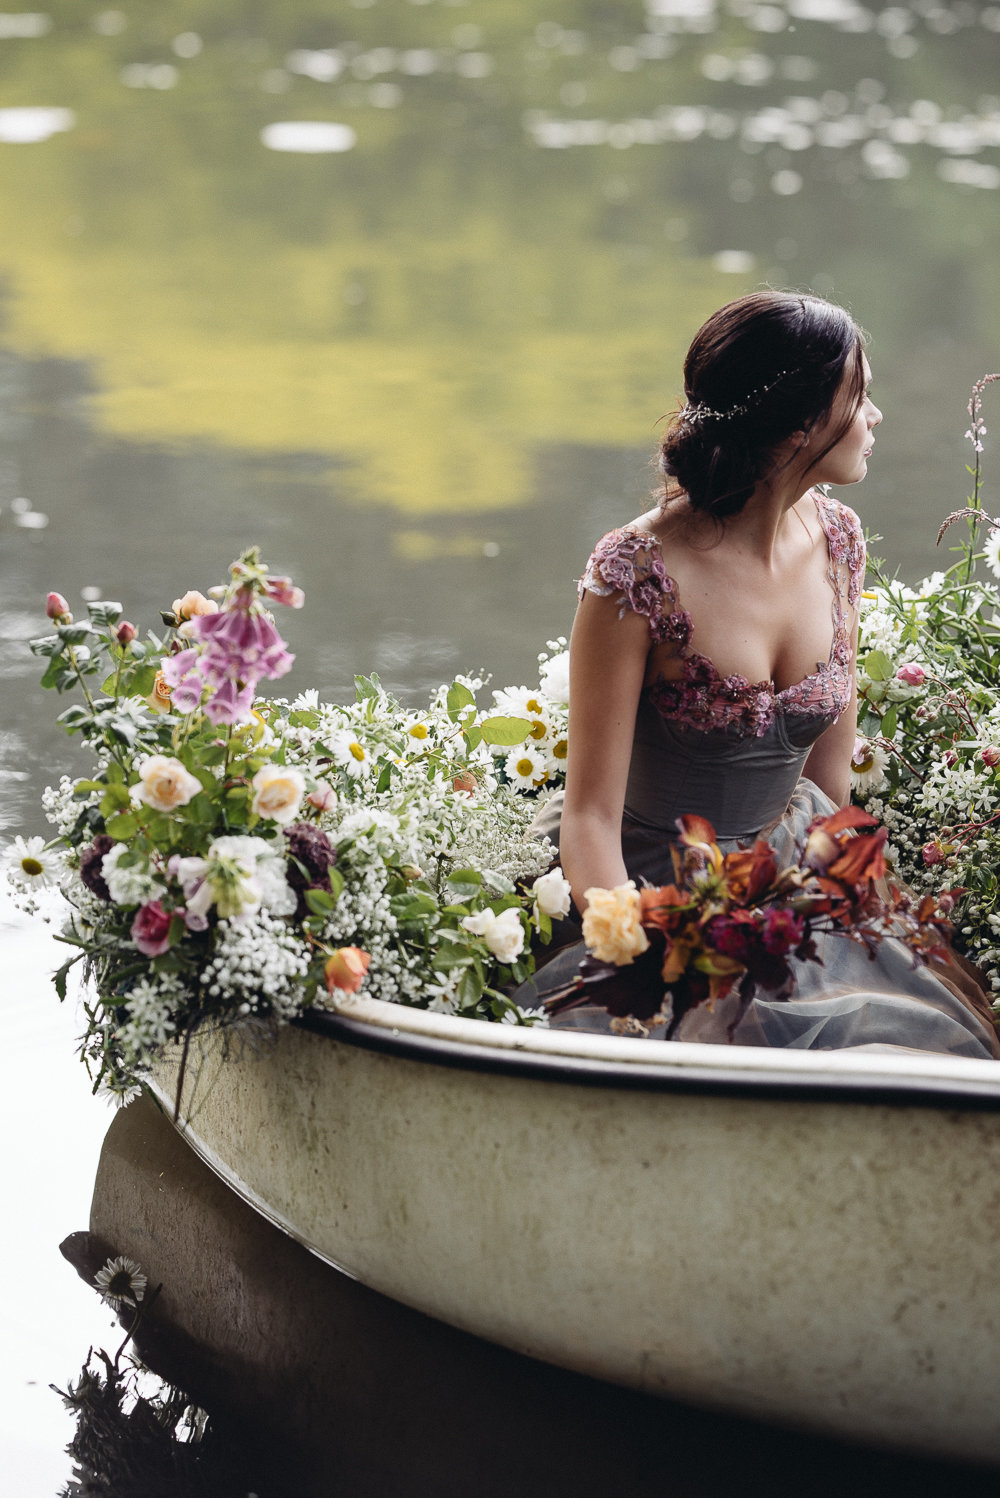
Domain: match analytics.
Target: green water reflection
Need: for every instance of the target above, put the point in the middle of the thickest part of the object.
(469, 282)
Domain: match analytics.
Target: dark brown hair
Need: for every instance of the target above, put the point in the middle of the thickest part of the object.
(760, 369)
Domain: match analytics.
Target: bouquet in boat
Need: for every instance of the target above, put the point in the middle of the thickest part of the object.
(232, 856)
(927, 756)
(732, 923)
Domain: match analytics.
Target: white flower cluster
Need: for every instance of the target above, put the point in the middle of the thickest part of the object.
(927, 757)
(259, 966)
(150, 1022)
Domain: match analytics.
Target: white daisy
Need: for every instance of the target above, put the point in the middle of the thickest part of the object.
(349, 753)
(31, 864)
(868, 764)
(121, 1281)
(525, 766)
(991, 551)
(519, 702)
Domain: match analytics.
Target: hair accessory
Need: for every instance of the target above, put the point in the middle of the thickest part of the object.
(694, 412)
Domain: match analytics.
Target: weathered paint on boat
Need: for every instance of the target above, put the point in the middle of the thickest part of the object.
(805, 1237)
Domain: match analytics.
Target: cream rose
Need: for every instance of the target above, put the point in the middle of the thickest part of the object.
(551, 892)
(164, 784)
(192, 605)
(277, 792)
(503, 933)
(611, 926)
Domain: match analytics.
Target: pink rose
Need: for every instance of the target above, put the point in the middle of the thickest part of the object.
(911, 674)
(125, 633)
(56, 607)
(151, 929)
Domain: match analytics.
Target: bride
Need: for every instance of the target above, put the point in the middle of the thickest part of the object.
(713, 666)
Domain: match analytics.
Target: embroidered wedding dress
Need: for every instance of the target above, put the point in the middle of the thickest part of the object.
(733, 751)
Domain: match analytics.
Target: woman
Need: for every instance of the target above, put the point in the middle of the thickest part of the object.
(713, 665)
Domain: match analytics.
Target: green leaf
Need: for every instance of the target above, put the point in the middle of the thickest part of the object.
(46, 645)
(458, 698)
(878, 665)
(72, 717)
(415, 905)
(367, 687)
(75, 634)
(505, 731)
(104, 614)
(122, 827)
(384, 779)
(59, 978)
(889, 721)
(319, 901)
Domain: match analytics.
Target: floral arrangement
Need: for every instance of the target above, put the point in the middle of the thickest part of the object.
(732, 921)
(927, 756)
(234, 856)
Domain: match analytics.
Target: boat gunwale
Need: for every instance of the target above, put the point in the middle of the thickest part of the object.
(781, 1083)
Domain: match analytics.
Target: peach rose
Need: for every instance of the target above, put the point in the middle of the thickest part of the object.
(165, 784)
(611, 926)
(192, 604)
(159, 697)
(345, 969)
(278, 792)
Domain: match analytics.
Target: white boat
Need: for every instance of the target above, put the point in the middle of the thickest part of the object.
(809, 1238)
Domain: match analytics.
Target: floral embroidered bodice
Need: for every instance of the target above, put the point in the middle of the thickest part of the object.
(628, 562)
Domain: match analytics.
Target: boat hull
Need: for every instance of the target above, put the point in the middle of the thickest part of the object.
(808, 1239)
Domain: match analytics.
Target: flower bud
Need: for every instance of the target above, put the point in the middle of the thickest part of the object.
(125, 633)
(345, 969)
(57, 608)
(932, 852)
(911, 674)
(324, 798)
(990, 756)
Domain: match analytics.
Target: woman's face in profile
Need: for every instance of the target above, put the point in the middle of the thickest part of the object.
(847, 460)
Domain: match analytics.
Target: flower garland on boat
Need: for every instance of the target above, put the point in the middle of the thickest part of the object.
(927, 756)
(731, 922)
(233, 855)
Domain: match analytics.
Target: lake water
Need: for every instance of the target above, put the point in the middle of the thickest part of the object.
(399, 289)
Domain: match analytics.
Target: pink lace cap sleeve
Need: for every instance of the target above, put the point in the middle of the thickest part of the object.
(628, 563)
(846, 541)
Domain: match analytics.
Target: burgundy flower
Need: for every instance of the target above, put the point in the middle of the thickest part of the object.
(91, 860)
(311, 855)
(782, 930)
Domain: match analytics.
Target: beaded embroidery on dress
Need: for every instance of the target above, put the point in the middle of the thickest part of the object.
(629, 562)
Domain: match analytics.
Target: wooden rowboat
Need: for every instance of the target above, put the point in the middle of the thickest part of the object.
(809, 1238)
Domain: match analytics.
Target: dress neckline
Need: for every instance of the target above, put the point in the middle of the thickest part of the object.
(736, 684)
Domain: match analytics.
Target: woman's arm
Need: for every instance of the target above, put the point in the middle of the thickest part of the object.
(607, 667)
(829, 761)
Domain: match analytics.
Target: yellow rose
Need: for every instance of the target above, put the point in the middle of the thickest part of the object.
(611, 926)
(277, 792)
(164, 784)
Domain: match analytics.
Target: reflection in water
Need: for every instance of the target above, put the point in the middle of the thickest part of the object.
(323, 1387)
